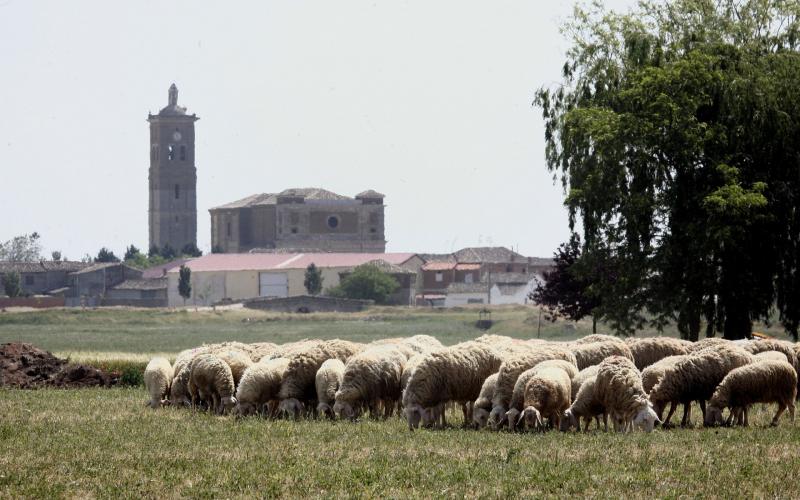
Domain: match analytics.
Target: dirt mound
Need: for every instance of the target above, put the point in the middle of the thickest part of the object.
(27, 367)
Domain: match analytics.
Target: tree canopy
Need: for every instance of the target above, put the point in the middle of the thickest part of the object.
(366, 282)
(675, 132)
(313, 279)
(23, 248)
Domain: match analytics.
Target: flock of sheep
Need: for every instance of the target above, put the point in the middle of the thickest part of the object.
(500, 382)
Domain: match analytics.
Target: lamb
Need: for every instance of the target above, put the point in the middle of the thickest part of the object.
(370, 378)
(518, 396)
(451, 374)
(327, 382)
(581, 377)
(598, 337)
(766, 381)
(586, 404)
(649, 350)
(239, 361)
(619, 388)
(157, 380)
(211, 380)
(297, 386)
(589, 354)
(547, 394)
(259, 386)
(653, 374)
(695, 377)
(510, 371)
(483, 405)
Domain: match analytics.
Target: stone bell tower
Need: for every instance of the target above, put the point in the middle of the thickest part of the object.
(173, 177)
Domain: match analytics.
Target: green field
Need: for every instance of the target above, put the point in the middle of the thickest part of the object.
(105, 443)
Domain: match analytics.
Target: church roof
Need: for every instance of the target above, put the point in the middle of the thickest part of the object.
(311, 193)
(370, 193)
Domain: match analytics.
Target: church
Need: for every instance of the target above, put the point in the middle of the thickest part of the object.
(300, 219)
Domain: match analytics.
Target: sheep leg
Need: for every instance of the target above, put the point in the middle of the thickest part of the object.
(702, 404)
(586, 422)
(687, 414)
(605, 422)
(781, 409)
(672, 407)
(745, 411)
(791, 410)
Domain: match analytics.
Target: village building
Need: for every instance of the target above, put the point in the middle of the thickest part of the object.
(301, 219)
(42, 277)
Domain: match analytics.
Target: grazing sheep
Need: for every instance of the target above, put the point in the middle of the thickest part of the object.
(297, 387)
(598, 337)
(771, 355)
(262, 350)
(450, 374)
(290, 349)
(239, 361)
(652, 374)
(619, 388)
(371, 378)
(258, 389)
(418, 344)
(695, 377)
(211, 381)
(483, 405)
(766, 381)
(589, 354)
(510, 371)
(649, 350)
(327, 382)
(157, 380)
(547, 395)
(769, 345)
(518, 396)
(231, 345)
(586, 404)
(581, 377)
(179, 389)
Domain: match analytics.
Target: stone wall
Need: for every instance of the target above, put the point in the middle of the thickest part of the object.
(307, 303)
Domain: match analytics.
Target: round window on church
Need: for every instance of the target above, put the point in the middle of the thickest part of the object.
(333, 222)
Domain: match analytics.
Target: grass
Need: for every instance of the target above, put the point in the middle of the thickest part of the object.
(105, 443)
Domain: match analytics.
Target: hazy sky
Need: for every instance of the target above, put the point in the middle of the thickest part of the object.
(428, 102)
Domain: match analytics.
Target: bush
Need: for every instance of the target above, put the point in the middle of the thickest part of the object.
(366, 282)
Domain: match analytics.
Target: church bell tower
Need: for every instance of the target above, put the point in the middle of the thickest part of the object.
(173, 177)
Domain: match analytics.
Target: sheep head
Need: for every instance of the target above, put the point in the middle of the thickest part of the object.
(497, 417)
(532, 418)
(713, 416)
(325, 410)
(480, 418)
(344, 410)
(568, 421)
(226, 404)
(291, 407)
(512, 416)
(413, 415)
(646, 418)
(245, 409)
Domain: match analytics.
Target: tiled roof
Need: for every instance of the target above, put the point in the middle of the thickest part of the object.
(250, 201)
(42, 266)
(277, 261)
(159, 271)
(438, 266)
(144, 284)
(488, 254)
(370, 193)
(437, 257)
(313, 194)
(384, 266)
(316, 194)
(478, 287)
(102, 265)
(468, 267)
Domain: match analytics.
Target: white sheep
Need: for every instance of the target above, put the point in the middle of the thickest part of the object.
(371, 378)
(239, 361)
(766, 381)
(211, 381)
(648, 350)
(258, 389)
(157, 380)
(586, 404)
(327, 382)
(547, 395)
(581, 377)
(518, 396)
(483, 405)
(593, 353)
(619, 388)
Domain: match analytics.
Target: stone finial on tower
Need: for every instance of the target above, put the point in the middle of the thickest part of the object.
(173, 95)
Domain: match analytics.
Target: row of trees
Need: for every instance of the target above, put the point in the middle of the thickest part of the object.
(675, 133)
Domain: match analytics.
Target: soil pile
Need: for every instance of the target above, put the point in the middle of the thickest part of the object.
(28, 367)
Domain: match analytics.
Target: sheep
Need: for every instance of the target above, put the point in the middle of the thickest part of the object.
(259, 386)
(598, 337)
(231, 345)
(510, 370)
(518, 396)
(767, 345)
(619, 388)
(586, 404)
(652, 374)
(451, 374)
(419, 344)
(649, 350)
(771, 355)
(211, 380)
(482, 405)
(370, 378)
(547, 394)
(239, 361)
(708, 342)
(297, 386)
(695, 377)
(179, 389)
(290, 349)
(581, 377)
(157, 380)
(589, 354)
(327, 382)
(262, 350)
(766, 381)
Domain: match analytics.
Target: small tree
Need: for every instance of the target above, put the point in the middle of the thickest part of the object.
(11, 284)
(56, 255)
(168, 252)
(106, 255)
(25, 248)
(185, 283)
(131, 253)
(191, 250)
(154, 250)
(313, 279)
(564, 292)
(366, 282)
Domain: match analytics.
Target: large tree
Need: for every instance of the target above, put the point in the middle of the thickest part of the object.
(24, 248)
(674, 132)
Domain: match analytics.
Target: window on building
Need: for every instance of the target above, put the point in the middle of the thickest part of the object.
(29, 279)
(153, 150)
(228, 229)
(177, 191)
(183, 152)
(373, 230)
(474, 301)
(373, 218)
(294, 218)
(439, 277)
(509, 268)
(294, 230)
(333, 222)
(468, 278)
(170, 152)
